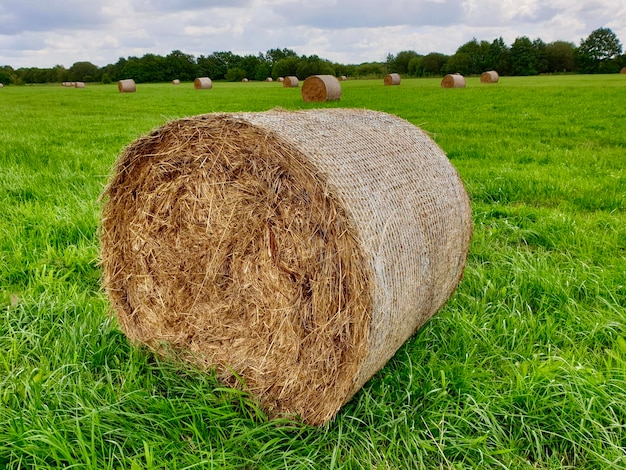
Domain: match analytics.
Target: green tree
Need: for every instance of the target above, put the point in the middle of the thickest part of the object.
(286, 67)
(498, 57)
(460, 62)
(560, 56)
(400, 62)
(599, 52)
(79, 70)
(473, 55)
(434, 64)
(523, 57)
(179, 65)
(7, 75)
(313, 65)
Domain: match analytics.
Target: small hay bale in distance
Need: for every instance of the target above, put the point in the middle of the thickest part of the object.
(280, 79)
(343, 78)
(127, 86)
(319, 88)
(176, 81)
(202, 83)
(392, 79)
(453, 80)
(244, 80)
(290, 82)
(1, 85)
(79, 85)
(490, 76)
(295, 250)
(623, 70)
(269, 79)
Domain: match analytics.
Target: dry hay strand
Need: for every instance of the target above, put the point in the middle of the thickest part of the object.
(453, 80)
(291, 252)
(291, 82)
(490, 76)
(127, 86)
(176, 81)
(392, 79)
(623, 70)
(318, 88)
(202, 83)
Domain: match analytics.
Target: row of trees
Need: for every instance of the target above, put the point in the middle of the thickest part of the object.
(600, 52)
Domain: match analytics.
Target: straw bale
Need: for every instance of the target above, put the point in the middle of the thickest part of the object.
(280, 79)
(79, 85)
(176, 81)
(245, 80)
(453, 80)
(392, 79)
(127, 86)
(202, 83)
(269, 79)
(490, 76)
(291, 252)
(290, 82)
(623, 70)
(1, 85)
(318, 88)
(343, 78)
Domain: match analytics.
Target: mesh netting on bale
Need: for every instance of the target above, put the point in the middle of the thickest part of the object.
(295, 250)
(490, 76)
(391, 79)
(291, 82)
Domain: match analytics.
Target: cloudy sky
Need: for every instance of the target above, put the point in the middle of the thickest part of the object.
(43, 33)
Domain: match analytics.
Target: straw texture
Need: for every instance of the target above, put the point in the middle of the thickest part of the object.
(202, 83)
(490, 76)
(392, 79)
(290, 82)
(453, 80)
(295, 250)
(126, 86)
(319, 88)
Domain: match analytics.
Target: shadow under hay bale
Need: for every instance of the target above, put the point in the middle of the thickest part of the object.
(453, 80)
(490, 76)
(391, 79)
(202, 83)
(127, 86)
(319, 88)
(296, 250)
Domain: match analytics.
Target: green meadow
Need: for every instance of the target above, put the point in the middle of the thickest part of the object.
(524, 367)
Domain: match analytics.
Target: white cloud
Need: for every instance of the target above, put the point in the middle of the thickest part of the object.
(349, 31)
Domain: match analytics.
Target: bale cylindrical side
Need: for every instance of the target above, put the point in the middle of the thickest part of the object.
(79, 85)
(244, 80)
(490, 76)
(318, 88)
(127, 86)
(343, 78)
(290, 82)
(453, 80)
(1, 85)
(280, 79)
(293, 252)
(176, 81)
(269, 79)
(392, 79)
(202, 83)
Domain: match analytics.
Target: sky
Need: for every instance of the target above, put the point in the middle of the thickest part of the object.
(45, 33)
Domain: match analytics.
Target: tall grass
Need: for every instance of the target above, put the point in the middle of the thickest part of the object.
(525, 367)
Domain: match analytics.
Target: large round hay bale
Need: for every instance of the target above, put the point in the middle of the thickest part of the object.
(127, 86)
(453, 80)
(291, 82)
(623, 70)
(490, 76)
(1, 85)
(202, 83)
(318, 88)
(294, 252)
(392, 79)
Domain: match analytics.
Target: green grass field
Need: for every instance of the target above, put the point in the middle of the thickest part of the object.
(525, 367)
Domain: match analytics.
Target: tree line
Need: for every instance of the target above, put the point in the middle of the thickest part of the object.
(600, 52)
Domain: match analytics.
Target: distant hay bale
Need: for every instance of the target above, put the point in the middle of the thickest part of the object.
(269, 79)
(392, 79)
(318, 88)
(244, 80)
(79, 84)
(343, 78)
(176, 81)
(1, 85)
(623, 70)
(295, 250)
(489, 77)
(290, 82)
(280, 79)
(202, 83)
(127, 86)
(453, 80)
